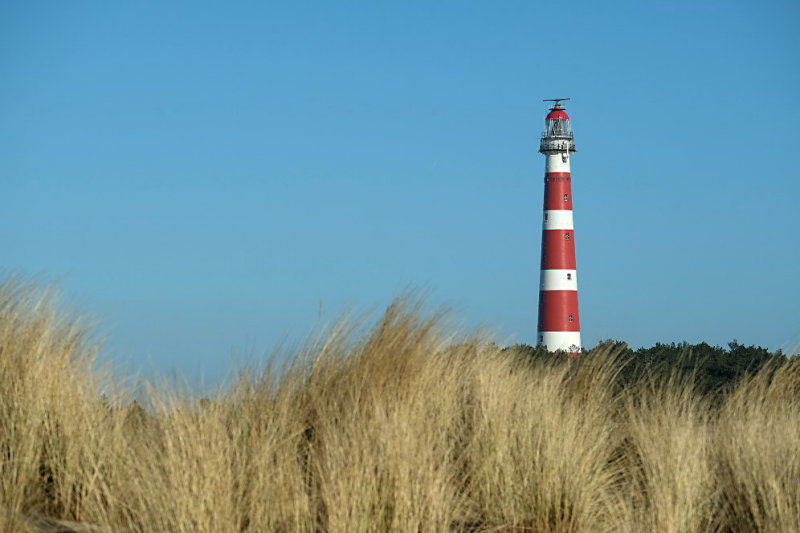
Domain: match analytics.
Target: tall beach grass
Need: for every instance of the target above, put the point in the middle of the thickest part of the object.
(408, 428)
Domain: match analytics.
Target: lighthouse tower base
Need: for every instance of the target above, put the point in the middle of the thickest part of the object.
(568, 341)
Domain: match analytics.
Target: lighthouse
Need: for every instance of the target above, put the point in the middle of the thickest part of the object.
(559, 326)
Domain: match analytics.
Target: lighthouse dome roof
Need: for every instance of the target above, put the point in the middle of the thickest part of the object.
(556, 112)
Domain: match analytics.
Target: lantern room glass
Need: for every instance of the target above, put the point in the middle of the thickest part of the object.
(557, 127)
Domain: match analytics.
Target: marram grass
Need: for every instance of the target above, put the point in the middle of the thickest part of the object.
(402, 430)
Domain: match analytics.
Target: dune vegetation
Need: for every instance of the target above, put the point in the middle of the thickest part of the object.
(407, 428)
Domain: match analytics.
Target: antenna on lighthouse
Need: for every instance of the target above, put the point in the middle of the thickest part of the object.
(556, 100)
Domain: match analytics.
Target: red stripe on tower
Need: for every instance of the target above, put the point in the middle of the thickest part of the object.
(559, 326)
(558, 249)
(557, 192)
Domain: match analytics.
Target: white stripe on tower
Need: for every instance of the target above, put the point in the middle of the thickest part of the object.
(556, 163)
(558, 280)
(561, 339)
(557, 219)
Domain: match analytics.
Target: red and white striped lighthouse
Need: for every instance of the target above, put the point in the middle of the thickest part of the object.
(559, 327)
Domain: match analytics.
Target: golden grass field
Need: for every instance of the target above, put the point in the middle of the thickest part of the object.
(410, 428)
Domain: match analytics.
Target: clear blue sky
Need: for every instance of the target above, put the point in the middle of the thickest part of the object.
(213, 179)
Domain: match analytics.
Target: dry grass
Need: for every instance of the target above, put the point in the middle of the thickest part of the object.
(403, 430)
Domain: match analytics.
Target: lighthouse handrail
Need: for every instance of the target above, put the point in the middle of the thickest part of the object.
(557, 144)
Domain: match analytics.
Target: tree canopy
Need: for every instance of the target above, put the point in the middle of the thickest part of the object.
(713, 369)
